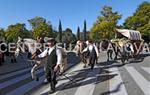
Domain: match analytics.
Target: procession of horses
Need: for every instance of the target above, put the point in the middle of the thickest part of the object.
(123, 49)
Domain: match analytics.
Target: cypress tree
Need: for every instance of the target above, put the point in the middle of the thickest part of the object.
(78, 33)
(60, 31)
(84, 31)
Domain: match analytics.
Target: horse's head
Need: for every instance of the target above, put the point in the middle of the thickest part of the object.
(23, 46)
(20, 47)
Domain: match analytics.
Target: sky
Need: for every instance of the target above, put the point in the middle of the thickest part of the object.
(72, 13)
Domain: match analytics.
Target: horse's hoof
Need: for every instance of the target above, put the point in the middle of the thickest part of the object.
(45, 82)
(60, 73)
(89, 64)
(84, 66)
(37, 79)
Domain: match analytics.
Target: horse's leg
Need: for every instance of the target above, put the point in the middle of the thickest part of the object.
(44, 64)
(33, 70)
(15, 61)
(128, 55)
(116, 54)
(29, 55)
(64, 65)
(84, 60)
(122, 58)
(45, 79)
(111, 52)
(11, 58)
(61, 68)
(96, 60)
(108, 55)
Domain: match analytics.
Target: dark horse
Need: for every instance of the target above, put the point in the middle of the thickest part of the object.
(110, 48)
(11, 51)
(119, 50)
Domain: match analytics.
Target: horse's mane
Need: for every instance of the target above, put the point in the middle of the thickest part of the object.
(30, 43)
(29, 40)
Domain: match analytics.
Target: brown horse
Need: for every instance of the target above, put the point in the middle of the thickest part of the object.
(80, 45)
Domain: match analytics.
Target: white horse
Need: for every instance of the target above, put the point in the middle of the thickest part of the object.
(32, 48)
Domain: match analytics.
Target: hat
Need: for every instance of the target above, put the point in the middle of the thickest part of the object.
(78, 42)
(87, 42)
(46, 39)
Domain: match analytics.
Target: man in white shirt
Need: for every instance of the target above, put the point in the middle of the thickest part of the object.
(54, 59)
(93, 53)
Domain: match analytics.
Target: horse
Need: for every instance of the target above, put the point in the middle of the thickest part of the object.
(79, 47)
(64, 61)
(31, 48)
(33, 51)
(121, 49)
(110, 48)
(11, 51)
(125, 50)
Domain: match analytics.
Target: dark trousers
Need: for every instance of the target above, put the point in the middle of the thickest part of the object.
(51, 77)
(92, 60)
(0, 61)
(109, 54)
(3, 59)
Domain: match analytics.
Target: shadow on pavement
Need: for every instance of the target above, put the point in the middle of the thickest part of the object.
(110, 64)
(82, 78)
(114, 90)
(139, 58)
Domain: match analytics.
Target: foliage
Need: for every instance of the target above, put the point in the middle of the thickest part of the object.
(78, 33)
(84, 31)
(60, 31)
(13, 31)
(67, 36)
(140, 20)
(40, 27)
(2, 31)
(105, 24)
(36, 21)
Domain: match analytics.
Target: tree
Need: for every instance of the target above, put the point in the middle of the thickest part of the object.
(2, 31)
(60, 31)
(36, 21)
(55, 33)
(78, 33)
(13, 31)
(140, 20)
(105, 24)
(68, 36)
(84, 31)
(40, 27)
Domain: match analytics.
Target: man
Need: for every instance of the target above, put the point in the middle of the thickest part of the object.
(77, 48)
(2, 49)
(93, 53)
(110, 50)
(54, 59)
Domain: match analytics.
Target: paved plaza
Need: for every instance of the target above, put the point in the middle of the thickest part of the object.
(107, 78)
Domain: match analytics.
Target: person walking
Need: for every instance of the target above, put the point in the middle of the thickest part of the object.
(77, 48)
(54, 59)
(92, 52)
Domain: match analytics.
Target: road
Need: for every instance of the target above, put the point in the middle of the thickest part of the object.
(107, 78)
